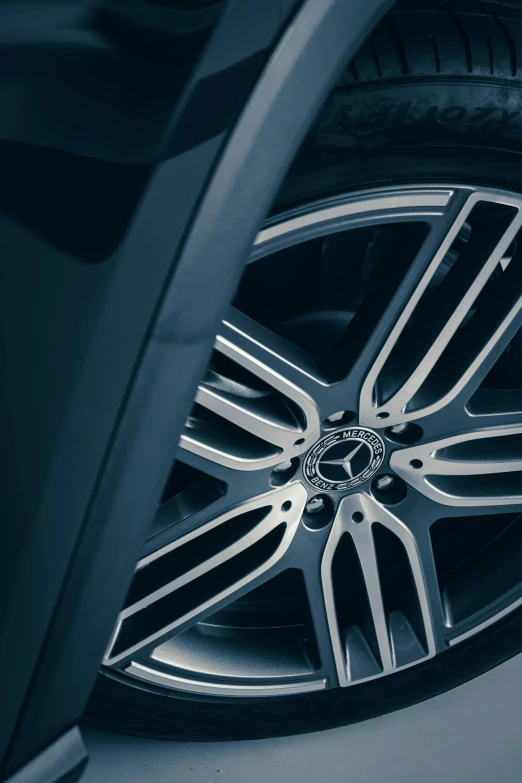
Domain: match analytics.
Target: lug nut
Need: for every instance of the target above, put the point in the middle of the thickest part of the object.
(384, 482)
(284, 472)
(339, 418)
(283, 466)
(318, 512)
(398, 429)
(405, 432)
(389, 489)
(335, 417)
(315, 505)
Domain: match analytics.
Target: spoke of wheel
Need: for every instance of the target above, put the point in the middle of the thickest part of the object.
(260, 418)
(478, 468)
(235, 488)
(306, 555)
(207, 492)
(319, 618)
(266, 347)
(189, 511)
(387, 637)
(203, 461)
(445, 332)
(493, 408)
(417, 515)
(199, 573)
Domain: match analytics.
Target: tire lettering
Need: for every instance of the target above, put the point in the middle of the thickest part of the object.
(451, 114)
(349, 125)
(508, 116)
(430, 115)
(480, 114)
(401, 113)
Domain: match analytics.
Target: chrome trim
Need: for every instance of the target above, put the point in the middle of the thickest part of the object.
(486, 623)
(432, 465)
(361, 533)
(294, 493)
(396, 406)
(283, 438)
(220, 689)
(393, 200)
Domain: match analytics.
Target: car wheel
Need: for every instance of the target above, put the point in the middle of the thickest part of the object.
(340, 535)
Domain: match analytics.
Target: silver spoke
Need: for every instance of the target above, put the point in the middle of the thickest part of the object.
(388, 637)
(197, 490)
(306, 555)
(272, 418)
(479, 468)
(178, 585)
(267, 348)
(428, 357)
(495, 407)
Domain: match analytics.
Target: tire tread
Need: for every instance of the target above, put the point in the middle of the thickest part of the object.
(442, 39)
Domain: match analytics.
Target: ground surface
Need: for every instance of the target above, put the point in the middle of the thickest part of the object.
(470, 735)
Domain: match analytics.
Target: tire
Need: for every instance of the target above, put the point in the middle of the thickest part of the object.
(434, 96)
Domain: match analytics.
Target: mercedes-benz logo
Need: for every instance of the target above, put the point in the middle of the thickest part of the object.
(344, 459)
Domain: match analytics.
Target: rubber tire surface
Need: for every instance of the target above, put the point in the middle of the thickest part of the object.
(435, 95)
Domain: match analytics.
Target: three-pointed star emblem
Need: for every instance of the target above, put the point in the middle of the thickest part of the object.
(345, 462)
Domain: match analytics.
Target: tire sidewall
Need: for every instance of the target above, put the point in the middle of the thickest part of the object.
(375, 135)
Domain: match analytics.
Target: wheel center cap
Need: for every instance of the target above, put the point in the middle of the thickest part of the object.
(344, 459)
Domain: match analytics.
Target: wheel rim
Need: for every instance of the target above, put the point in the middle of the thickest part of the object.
(346, 500)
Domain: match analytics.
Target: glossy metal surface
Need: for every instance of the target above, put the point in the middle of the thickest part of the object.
(269, 409)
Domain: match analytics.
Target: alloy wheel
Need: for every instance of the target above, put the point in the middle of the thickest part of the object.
(347, 494)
